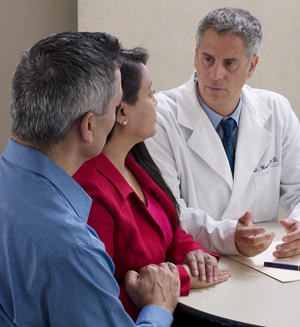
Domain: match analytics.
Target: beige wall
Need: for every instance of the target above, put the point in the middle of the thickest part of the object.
(22, 23)
(167, 29)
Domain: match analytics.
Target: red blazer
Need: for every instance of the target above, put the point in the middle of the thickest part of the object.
(132, 237)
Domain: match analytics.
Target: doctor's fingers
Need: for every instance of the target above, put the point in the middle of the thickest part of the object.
(287, 250)
(254, 245)
(244, 231)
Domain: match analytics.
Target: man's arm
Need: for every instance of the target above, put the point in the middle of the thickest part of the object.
(290, 184)
(83, 291)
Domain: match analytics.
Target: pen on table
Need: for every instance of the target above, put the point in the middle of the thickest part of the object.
(281, 265)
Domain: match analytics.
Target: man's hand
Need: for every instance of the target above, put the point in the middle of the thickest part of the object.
(249, 240)
(203, 265)
(291, 245)
(154, 285)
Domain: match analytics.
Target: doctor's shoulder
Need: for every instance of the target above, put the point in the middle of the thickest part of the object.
(274, 101)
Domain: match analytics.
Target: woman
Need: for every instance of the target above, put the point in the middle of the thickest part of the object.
(133, 211)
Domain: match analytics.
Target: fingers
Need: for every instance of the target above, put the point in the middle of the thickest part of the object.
(287, 250)
(287, 222)
(222, 276)
(202, 264)
(154, 285)
(246, 218)
(192, 259)
(291, 245)
(292, 228)
(211, 267)
(251, 241)
(131, 278)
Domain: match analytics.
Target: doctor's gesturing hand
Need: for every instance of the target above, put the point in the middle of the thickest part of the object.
(249, 240)
(291, 245)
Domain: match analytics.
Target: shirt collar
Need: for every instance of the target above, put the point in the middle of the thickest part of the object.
(39, 163)
(213, 116)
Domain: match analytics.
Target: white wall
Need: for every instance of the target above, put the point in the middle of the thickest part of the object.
(167, 29)
(23, 23)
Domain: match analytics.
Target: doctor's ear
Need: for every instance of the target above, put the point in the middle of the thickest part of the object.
(196, 55)
(121, 114)
(252, 65)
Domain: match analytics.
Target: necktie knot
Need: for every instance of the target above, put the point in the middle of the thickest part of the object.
(228, 126)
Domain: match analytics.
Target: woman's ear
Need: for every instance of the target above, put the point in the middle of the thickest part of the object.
(121, 117)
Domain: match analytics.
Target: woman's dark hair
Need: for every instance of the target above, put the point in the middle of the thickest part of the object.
(131, 74)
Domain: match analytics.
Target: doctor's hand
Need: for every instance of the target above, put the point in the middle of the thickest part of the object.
(249, 240)
(203, 265)
(154, 285)
(291, 245)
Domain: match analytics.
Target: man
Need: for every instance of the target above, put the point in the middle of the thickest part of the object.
(54, 269)
(221, 189)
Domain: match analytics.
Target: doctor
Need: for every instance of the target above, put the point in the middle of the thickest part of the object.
(222, 189)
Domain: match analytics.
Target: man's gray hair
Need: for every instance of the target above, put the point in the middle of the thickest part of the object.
(233, 21)
(58, 80)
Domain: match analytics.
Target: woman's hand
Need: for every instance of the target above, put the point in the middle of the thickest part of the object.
(202, 265)
(222, 276)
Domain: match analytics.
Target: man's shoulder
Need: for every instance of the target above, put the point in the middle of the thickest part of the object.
(264, 95)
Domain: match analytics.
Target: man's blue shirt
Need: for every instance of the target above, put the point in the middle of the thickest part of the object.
(54, 269)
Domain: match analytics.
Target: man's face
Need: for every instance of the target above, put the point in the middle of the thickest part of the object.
(222, 69)
(106, 122)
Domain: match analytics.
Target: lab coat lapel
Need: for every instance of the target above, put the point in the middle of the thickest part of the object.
(253, 139)
(204, 140)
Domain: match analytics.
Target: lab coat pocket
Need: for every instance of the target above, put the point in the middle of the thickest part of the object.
(267, 187)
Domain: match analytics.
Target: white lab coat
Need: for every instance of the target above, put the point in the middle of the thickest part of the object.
(193, 162)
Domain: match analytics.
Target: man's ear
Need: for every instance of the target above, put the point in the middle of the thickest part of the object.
(196, 55)
(121, 117)
(88, 126)
(252, 65)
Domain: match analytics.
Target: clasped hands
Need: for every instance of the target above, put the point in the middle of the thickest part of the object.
(251, 241)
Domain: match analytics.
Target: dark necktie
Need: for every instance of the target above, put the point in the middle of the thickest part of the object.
(228, 141)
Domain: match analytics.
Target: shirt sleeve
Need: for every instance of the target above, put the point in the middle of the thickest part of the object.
(88, 293)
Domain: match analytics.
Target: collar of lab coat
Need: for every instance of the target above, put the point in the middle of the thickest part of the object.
(252, 141)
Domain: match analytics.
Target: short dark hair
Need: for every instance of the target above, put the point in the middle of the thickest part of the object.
(58, 80)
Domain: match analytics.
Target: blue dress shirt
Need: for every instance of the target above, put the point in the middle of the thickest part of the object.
(54, 270)
(216, 118)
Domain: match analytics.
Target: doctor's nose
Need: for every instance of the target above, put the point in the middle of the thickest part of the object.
(216, 72)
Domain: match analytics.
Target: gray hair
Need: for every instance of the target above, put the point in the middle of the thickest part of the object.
(233, 21)
(58, 80)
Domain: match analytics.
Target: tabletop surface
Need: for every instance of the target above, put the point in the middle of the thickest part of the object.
(250, 296)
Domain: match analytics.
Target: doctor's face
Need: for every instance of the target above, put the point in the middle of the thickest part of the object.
(222, 69)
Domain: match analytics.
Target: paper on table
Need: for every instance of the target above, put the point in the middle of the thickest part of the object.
(283, 275)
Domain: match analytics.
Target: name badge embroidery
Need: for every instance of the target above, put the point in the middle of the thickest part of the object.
(262, 167)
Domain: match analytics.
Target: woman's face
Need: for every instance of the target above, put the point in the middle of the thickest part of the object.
(142, 115)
